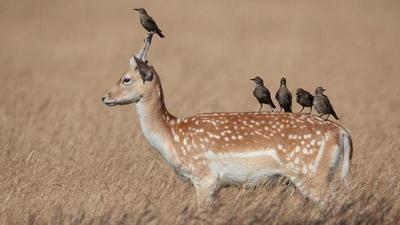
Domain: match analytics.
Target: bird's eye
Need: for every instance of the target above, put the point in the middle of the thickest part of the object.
(126, 80)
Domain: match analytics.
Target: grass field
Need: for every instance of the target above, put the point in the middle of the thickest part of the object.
(65, 158)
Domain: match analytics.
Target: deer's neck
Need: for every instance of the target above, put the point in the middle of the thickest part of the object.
(155, 123)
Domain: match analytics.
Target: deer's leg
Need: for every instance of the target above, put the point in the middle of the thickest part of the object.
(205, 190)
(317, 183)
(301, 185)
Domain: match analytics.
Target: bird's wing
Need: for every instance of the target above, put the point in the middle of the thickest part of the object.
(151, 22)
(327, 103)
(277, 94)
(309, 96)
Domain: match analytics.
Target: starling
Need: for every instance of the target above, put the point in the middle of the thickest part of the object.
(322, 104)
(262, 94)
(148, 23)
(304, 98)
(284, 97)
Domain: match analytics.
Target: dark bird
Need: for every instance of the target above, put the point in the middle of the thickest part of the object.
(148, 23)
(304, 98)
(284, 97)
(322, 104)
(262, 94)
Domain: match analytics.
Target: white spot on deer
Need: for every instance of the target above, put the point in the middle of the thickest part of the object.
(226, 138)
(280, 147)
(240, 137)
(305, 151)
(318, 132)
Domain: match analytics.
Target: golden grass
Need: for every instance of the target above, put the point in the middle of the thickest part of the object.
(65, 158)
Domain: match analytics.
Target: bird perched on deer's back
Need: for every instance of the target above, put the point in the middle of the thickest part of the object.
(304, 98)
(284, 97)
(262, 93)
(322, 104)
(148, 23)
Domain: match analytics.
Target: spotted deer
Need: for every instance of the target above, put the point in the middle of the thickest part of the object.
(213, 150)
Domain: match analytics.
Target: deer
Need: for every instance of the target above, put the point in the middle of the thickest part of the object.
(218, 149)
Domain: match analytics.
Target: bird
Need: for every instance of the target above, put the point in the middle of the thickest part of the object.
(284, 97)
(148, 23)
(304, 98)
(322, 104)
(262, 93)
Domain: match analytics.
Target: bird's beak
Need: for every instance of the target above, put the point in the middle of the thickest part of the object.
(136, 9)
(252, 79)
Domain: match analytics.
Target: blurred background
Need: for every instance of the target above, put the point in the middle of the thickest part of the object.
(63, 154)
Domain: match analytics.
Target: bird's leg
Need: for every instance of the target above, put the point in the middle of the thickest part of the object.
(280, 108)
(261, 105)
(272, 109)
(327, 117)
(310, 110)
(301, 109)
(320, 116)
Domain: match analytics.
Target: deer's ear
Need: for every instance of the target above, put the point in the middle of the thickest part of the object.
(132, 62)
(145, 71)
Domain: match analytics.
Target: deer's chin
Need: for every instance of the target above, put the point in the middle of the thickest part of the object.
(130, 101)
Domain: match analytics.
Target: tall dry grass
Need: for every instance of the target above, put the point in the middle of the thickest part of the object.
(67, 159)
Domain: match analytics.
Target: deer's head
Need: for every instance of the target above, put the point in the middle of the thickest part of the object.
(133, 86)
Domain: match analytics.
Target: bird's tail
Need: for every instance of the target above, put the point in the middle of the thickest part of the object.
(334, 115)
(160, 34)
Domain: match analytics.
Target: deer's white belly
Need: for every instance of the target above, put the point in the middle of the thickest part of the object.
(250, 167)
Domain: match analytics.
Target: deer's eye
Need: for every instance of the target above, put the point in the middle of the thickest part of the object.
(126, 80)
